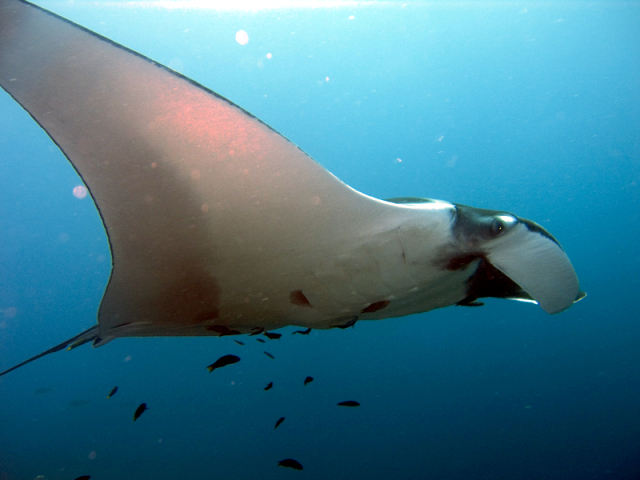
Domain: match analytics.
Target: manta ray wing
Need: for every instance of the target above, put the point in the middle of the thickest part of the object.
(194, 192)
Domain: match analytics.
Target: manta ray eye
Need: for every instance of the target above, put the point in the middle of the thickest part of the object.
(497, 227)
(500, 224)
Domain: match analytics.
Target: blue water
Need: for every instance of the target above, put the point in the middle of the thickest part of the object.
(529, 107)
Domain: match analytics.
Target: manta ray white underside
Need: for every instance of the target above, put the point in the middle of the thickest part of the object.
(218, 225)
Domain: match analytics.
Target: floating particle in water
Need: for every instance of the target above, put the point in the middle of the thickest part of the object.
(80, 192)
(242, 37)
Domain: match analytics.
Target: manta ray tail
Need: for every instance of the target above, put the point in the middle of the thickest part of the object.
(84, 337)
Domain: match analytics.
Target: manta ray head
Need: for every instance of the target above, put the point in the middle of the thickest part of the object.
(517, 259)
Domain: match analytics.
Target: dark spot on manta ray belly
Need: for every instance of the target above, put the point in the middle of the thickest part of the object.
(297, 298)
(374, 307)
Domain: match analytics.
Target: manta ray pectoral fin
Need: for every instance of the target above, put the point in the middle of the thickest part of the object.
(539, 265)
(76, 341)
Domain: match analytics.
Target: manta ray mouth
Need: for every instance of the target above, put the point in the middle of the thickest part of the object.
(488, 281)
(519, 260)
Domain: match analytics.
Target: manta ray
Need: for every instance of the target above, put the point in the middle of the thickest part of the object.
(218, 225)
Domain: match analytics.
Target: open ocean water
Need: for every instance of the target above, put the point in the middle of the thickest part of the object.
(531, 107)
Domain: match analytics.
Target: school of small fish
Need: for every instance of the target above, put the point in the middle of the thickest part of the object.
(227, 360)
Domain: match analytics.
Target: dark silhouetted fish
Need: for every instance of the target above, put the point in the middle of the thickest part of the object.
(260, 340)
(223, 362)
(112, 392)
(302, 332)
(239, 342)
(84, 477)
(308, 380)
(280, 420)
(272, 336)
(290, 463)
(256, 331)
(139, 410)
(268, 387)
(269, 355)
(349, 403)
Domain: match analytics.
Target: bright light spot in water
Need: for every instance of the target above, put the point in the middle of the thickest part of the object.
(80, 192)
(326, 79)
(268, 55)
(242, 38)
(351, 17)
(92, 455)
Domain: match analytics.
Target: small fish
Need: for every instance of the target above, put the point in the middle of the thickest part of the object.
(349, 403)
(260, 340)
(269, 355)
(290, 463)
(268, 387)
(272, 336)
(239, 342)
(139, 410)
(112, 392)
(223, 362)
(280, 420)
(256, 331)
(84, 477)
(303, 332)
(308, 380)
